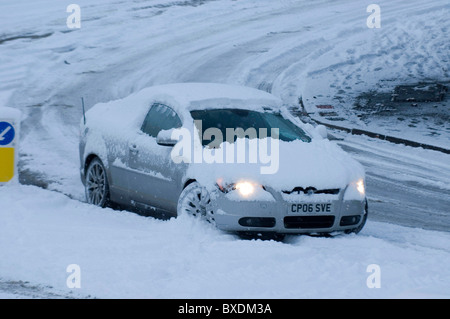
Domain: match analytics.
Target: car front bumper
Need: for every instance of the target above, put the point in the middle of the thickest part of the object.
(289, 215)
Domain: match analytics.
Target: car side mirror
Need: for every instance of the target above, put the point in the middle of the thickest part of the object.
(321, 130)
(164, 138)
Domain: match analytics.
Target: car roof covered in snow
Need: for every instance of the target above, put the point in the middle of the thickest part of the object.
(182, 98)
(188, 92)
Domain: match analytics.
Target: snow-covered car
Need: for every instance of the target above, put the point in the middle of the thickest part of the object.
(162, 151)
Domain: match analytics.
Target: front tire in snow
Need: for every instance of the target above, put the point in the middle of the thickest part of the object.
(195, 200)
(96, 185)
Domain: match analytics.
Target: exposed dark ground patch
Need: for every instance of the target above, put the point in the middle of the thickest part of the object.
(421, 102)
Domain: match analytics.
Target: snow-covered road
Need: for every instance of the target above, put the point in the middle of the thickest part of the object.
(320, 51)
(405, 185)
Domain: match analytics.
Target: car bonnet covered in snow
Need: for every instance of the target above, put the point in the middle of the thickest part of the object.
(320, 164)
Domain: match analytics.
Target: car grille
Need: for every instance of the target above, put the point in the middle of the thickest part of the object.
(308, 221)
(312, 190)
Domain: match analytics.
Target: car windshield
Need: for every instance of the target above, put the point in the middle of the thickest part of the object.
(240, 121)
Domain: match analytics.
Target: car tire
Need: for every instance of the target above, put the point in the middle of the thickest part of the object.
(195, 200)
(363, 222)
(96, 184)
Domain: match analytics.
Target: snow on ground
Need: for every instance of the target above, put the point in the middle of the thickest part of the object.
(124, 255)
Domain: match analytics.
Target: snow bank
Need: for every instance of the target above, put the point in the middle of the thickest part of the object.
(123, 255)
(10, 114)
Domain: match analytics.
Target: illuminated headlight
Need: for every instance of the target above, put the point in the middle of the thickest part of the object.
(360, 187)
(356, 190)
(245, 188)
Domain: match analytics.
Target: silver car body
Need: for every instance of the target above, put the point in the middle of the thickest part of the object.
(314, 195)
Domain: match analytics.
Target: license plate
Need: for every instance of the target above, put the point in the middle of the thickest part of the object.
(303, 208)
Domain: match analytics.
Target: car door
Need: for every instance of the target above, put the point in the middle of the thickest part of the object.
(118, 184)
(154, 179)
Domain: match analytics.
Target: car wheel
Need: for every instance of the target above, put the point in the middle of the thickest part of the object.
(96, 186)
(361, 226)
(196, 201)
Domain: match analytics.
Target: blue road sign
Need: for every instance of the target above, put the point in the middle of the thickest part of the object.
(7, 133)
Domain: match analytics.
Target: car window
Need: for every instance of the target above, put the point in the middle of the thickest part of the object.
(238, 118)
(160, 117)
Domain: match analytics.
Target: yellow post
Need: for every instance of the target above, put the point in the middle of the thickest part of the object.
(9, 140)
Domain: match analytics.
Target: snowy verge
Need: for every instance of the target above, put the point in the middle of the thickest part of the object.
(124, 255)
